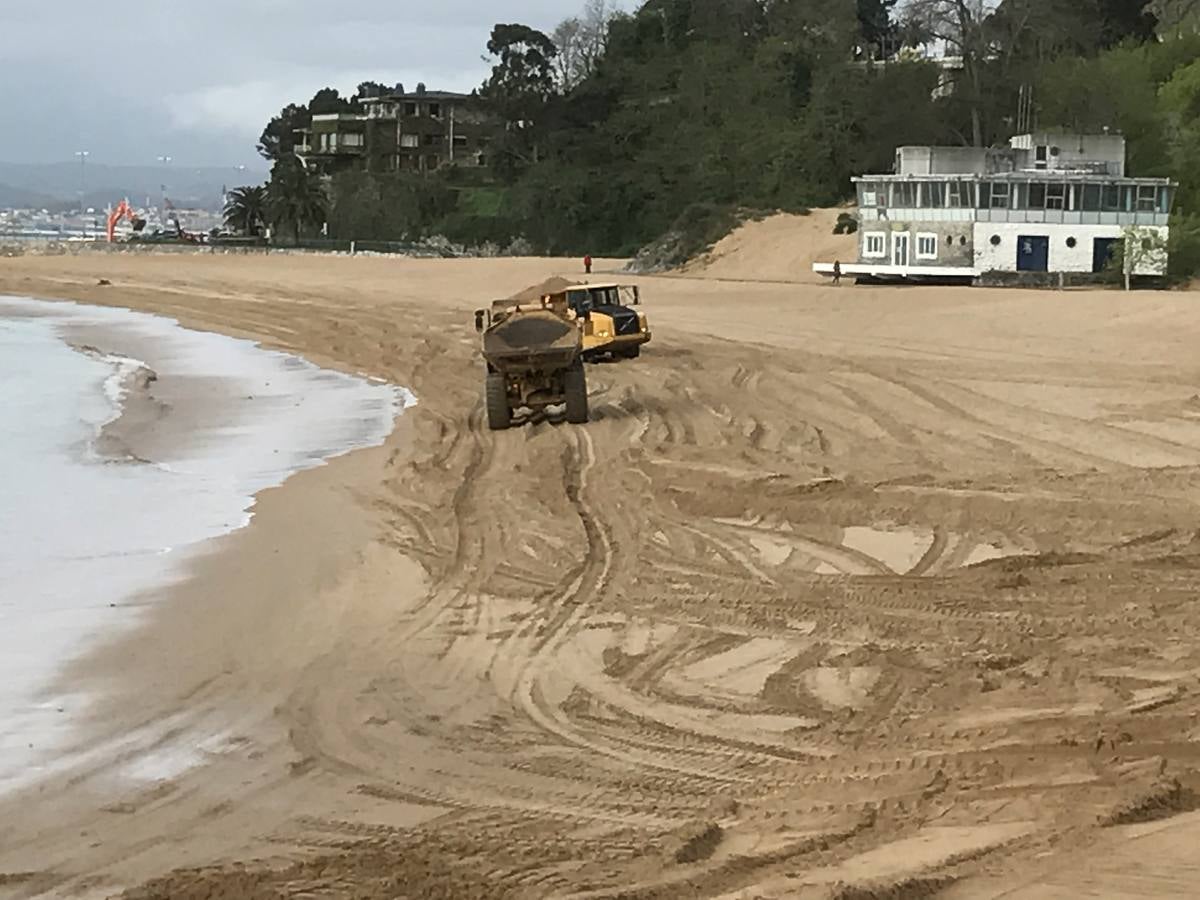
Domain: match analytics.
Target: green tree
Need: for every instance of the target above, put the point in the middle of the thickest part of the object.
(246, 210)
(296, 199)
(278, 139)
(960, 25)
(879, 30)
(371, 89)
(1143, 251)
(328, 101)
(389, 207)
(519, 91)
(1180, 104)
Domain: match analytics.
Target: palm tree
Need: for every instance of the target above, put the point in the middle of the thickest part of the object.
(246, 210)
(295, 197)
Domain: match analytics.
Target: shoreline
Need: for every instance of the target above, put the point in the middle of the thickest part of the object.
(137, 409)
(185, 700)
(136, 716)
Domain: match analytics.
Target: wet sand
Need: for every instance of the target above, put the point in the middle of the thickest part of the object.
(844, 591)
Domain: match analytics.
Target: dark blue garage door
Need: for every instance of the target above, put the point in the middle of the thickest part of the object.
(1033, 254)
(1102, 253)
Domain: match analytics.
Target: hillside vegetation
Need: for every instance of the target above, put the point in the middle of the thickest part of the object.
(621, 128)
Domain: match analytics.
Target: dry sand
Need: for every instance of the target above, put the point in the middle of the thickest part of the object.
(780, 248)
(722, 642)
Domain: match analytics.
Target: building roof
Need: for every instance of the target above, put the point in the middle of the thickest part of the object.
(436, 96)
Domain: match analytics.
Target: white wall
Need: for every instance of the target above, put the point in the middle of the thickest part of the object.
(1003, 258)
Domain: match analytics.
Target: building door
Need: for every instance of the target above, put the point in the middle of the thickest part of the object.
(1102, 253)
(1033, 254)
(900, 248)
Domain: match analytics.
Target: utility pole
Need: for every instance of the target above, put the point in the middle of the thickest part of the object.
(83, 155)
(162, 208)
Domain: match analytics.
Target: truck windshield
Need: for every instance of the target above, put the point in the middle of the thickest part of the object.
(585, 301)
(606, 297)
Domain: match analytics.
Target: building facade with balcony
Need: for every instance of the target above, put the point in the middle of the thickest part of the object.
(1047, 203)
(418, 132)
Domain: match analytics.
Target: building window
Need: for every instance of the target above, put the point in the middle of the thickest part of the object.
(927, 246)
(460, 140)
(999, 196)
(352, 140)
(410, 109)
(1056, 195)
(1091, 198)
(1112, 198)
(1071, 242)
(432, 162)
(962, 240)
(875, 244)
(935, 194)
(410, 140)
(904, 195)
(435, 110)
(1147, 197)
(995, 240)
(958, 195)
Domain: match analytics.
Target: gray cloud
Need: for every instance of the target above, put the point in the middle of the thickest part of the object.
(196, 81)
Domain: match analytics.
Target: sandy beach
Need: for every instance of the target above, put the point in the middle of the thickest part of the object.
(844, 592)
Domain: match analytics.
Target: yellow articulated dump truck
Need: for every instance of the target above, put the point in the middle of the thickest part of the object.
(533, 349)
(611, 325)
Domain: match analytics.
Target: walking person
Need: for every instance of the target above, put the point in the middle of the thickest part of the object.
(587, 264)
(837, 271)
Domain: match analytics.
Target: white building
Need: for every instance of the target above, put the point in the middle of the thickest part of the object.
(1048, 203)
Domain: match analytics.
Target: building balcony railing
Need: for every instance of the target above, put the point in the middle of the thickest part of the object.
(1017, 216)
(1074, 217)
(333, 151)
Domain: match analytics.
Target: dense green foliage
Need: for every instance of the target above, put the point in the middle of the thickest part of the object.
(682, 113)
(1151, 93)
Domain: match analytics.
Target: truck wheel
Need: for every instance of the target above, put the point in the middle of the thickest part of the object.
(634, 352)
(495, 394)
(575, 388)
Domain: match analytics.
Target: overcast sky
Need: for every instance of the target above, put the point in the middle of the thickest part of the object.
(196, 81)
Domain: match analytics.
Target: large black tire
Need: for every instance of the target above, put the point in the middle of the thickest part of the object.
(575, 388)
(633, 352)
(495, 395)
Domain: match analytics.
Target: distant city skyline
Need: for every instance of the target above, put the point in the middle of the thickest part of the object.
(135, 84)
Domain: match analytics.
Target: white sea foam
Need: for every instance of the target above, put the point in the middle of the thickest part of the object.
(79, 534)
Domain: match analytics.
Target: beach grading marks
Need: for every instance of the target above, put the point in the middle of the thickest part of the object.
(804, 612)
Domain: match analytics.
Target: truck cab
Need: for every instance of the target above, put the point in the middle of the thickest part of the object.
(611, 324)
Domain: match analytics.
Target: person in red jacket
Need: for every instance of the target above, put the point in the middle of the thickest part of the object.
(587, 264)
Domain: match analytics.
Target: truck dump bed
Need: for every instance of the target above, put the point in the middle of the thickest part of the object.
(531, 340)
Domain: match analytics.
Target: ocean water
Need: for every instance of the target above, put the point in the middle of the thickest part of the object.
(82, 531)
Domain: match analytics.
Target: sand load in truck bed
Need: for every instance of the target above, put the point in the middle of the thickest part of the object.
(532, 339)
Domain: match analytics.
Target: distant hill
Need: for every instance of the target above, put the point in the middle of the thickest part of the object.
(20, 198)
(53, 185)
